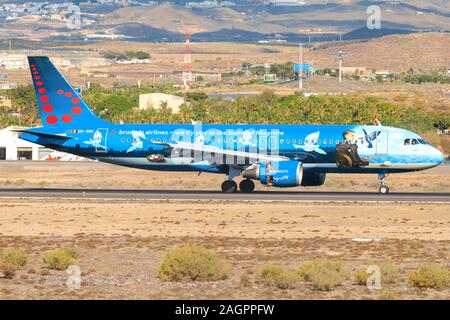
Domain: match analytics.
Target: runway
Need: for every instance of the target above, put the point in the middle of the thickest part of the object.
(215, 195)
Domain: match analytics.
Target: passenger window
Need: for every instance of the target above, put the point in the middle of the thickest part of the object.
(324, 141)
(407, 142)
(294, 140)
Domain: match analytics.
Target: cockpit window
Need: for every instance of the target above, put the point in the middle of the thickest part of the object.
(407, 142)
(414, 141)
(422, 141)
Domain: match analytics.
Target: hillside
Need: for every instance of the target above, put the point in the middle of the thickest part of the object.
(166, 16)
(315, 17)
(426, 51)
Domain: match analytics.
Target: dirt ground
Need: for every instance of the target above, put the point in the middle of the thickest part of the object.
(121, 242)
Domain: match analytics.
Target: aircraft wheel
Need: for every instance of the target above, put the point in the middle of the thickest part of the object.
(384, 189)
(247, 186)
(229, 186)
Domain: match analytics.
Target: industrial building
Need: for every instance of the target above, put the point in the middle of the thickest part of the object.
(13, 148)
(155, 100)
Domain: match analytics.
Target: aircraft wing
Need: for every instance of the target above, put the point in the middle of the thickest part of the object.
(198, 147)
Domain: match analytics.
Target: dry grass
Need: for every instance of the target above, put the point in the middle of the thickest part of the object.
(390, 274)
(14, 259)
(430, 276)
(273, 276)
(58, 259)
(324, 275)
(193, 263)
(6, 271)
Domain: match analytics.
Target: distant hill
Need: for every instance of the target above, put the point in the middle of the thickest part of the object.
(365, 33)
(346, 18)
(168, 16)
(420, 51)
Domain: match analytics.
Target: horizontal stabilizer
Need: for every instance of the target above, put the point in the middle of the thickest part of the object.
(45, 134)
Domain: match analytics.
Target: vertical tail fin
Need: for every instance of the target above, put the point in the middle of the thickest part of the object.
(59, 104)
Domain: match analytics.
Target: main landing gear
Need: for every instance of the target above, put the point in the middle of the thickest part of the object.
(230, 186)
(384, 189)
(247, 186)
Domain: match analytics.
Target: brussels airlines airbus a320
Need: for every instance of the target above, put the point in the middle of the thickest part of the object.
(275, 155)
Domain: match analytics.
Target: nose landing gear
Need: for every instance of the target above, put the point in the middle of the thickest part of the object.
(384, 189)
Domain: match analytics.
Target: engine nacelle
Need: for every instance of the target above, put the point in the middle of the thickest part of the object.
(282, 173)
(313, 179)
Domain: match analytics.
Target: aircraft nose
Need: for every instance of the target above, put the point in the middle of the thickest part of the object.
(437, 155)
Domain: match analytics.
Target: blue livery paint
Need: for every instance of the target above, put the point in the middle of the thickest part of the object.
(299, 154)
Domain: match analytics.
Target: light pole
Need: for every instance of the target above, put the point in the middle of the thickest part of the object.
(300, 68)
(340, 56)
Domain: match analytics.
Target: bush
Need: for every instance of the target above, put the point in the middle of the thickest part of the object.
(58, 259)
(430, 276)
(6, 271)
(323, 274)
(193, 263)
(14, 259)
(390, 274)
(277, 277)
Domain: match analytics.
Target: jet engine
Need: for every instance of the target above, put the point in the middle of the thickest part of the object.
(278, 174)
(313, 179)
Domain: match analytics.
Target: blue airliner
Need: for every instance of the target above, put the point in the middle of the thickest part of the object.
(275, 155)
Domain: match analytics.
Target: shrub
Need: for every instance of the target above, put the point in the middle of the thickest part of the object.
(390, 274)
(277, 277)
(58, 259)
(193, 263)
(390, 295)
(430, 276)
(6, 271)
(323, 274)
(14, 259)
(72, 252)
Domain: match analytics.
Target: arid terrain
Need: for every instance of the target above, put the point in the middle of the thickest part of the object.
(120, 243)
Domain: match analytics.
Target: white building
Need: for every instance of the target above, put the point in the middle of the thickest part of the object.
(13, 148)
(13, 62)
(155, 100)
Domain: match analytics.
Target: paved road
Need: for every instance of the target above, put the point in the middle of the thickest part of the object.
(213, 195)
